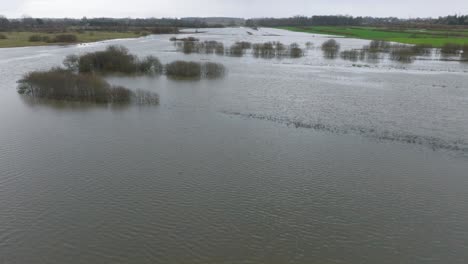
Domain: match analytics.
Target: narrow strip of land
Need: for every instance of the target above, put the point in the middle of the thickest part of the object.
(433, 36)
(26, 39)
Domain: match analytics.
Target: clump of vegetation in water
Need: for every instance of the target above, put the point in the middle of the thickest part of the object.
(236, 50)
(206, 47)
(451, 49)
(378, 46)
(63, 84)
(295, 51)
(277, 49)
(465, 52)
(210, 47)
(183, 69)
(194, 70)
(330, 48)
(309, 45)
(402, 53)
(115, 59)
(213, 70)
(265, 50)
(150, 65)
(244, 44)
(189, 46)
(352, 55)
(422, 49)
(183, 39)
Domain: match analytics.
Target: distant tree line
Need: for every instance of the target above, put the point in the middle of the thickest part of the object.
(305, 21)
(353, 21)
(120, 24)
(453, 20)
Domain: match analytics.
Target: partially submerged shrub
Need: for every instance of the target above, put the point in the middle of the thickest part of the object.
(465, 52)
(183, 69)
(65, 85)
(277, 49)
(190, 47)
(331, 44)
(213, 70)
(236, 50)
(61, 84)
(264, 50)
(206, 47)
(143, 97)
(330, 48)
(422, 49)
(115, 59)
(352, 55)
(295, 51)
(150, 65)
(451, 49)
(219, 49)
(210, 47)
(194, 70)
(309, 45)
(379, 46)
(184, 39)
(120, 95)
(244, 44)
(402, 53)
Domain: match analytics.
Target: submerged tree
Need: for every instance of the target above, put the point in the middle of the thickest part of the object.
(330, 48)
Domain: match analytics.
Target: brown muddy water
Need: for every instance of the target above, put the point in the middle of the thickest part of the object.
(306, 160)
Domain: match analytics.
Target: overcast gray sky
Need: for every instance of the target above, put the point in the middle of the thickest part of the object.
(237, 8)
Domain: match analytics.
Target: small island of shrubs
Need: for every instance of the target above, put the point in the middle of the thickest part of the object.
(81, 79)
(194, 70)
(63, 84)
(115, 59)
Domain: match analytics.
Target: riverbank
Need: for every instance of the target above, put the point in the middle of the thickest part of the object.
(23, 39)
(435, 37)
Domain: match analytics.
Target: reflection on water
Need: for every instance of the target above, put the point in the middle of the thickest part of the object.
(371, 167)
(70, 105)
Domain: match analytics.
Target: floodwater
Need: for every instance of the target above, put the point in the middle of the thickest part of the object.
(306, 160)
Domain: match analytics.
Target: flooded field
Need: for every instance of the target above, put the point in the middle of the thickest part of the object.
(285, 159)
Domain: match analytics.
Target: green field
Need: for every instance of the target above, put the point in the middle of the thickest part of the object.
(21, 39)
(434, 37)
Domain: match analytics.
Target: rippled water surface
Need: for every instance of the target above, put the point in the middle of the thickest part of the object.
(305, 160)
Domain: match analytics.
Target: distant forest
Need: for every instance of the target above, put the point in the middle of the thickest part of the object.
(354, 21)
(41, 24)
(114, 24)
